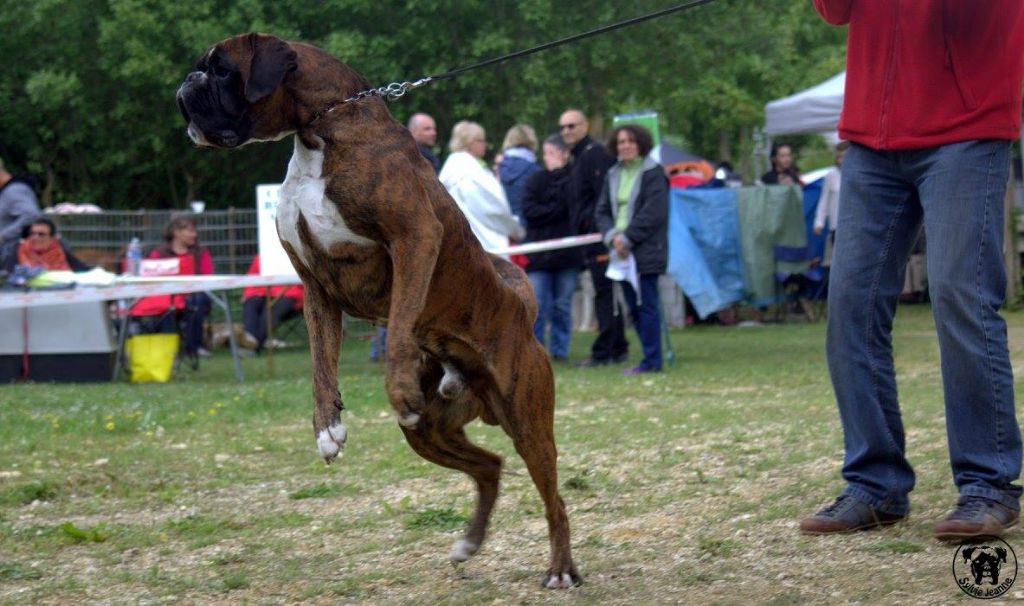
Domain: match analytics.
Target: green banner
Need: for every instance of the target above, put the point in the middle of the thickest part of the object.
(647, 118)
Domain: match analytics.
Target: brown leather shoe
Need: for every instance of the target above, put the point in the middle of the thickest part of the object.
(847, 514)
(974, 517)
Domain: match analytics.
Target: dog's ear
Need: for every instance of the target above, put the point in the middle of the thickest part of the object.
(1001, 553)
(272, 59)
(967, 553)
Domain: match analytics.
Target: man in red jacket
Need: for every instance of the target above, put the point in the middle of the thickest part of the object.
(933, 100)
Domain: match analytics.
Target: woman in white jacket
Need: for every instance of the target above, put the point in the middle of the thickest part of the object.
(828, 204)
(476, 190)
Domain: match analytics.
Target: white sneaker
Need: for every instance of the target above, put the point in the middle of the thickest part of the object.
(275, 344)
(202, 352)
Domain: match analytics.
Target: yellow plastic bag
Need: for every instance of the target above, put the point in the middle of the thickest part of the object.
(151, 357)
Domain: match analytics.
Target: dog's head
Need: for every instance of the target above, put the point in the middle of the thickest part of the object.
(235, 93)
(985, 560)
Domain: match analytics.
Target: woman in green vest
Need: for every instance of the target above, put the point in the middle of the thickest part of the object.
(632, 214)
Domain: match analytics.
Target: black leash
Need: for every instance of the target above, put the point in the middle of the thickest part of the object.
(395, 90)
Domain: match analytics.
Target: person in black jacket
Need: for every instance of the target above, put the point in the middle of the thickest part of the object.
(590, 162)
(784, 170)
(632, 214)
(424, 132)
(553, 273)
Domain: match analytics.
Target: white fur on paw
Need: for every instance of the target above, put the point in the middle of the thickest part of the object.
(409, 420)
(463, 550)
(452, 383)
(331, 440)
(554, 582)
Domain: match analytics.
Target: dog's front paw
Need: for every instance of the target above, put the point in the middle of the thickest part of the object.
(463, 550)
(330, 441)
(407, 401)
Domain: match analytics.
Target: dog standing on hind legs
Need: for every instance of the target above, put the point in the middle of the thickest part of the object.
(372, 233)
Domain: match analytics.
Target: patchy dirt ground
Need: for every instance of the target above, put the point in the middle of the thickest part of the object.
(723, 534)
(685, 488)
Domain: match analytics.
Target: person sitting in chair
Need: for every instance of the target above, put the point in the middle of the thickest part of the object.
(181, 242)
(41, 247)
(284, 302)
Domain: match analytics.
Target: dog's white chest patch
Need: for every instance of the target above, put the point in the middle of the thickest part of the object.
(303, 191)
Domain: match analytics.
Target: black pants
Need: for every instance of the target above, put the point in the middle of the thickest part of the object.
(254, 316)
(611, 334)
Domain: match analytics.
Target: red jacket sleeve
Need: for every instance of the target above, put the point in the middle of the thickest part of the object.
(253, 291)
(836, 12)
(205, 262)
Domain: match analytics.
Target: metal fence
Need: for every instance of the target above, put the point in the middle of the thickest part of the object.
(102, 238)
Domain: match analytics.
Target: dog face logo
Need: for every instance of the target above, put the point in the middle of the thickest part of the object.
(985, 569)
(985, 562)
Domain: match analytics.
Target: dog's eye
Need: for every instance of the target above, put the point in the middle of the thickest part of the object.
(220, 71)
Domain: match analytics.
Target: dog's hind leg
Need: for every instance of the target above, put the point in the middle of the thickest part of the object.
(532, 434)
(439, 438)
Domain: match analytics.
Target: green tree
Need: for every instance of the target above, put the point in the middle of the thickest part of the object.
(88, 86)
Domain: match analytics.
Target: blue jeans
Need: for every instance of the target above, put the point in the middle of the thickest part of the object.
(956, 192)
(554, 289)
(646, 318)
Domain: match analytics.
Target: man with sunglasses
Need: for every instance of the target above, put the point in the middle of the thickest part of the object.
(590, 162)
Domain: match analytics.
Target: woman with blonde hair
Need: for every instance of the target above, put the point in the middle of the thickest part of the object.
(478, 192)
(518, 162)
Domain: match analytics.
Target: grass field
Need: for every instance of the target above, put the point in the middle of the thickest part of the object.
(684, 487)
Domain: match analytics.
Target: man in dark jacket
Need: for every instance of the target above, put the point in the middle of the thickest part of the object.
(424, 132)
(932, 104)
(590, 162)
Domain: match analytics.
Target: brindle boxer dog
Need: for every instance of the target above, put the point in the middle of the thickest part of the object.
(372, 233)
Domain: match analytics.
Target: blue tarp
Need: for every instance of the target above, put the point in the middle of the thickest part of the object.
(720, 253)
(704, 247)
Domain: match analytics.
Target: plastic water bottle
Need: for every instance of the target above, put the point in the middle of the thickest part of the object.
(134, 256)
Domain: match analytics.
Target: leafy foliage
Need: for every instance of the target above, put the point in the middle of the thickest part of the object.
(88, 87)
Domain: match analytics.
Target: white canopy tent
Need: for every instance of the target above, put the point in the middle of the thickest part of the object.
(815, 110)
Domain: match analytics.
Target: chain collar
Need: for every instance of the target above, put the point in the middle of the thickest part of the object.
(391, 92)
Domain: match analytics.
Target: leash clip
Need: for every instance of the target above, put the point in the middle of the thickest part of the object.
(396, 90)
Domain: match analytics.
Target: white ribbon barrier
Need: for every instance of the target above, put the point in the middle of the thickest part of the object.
(133, 288)
(126, 287)
(532, 247)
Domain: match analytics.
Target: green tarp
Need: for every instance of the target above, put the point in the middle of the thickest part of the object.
(769, 217)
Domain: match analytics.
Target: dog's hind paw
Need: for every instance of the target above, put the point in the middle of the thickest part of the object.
(452, 384)
(564, 580)
(330, 441)
(463, 550)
